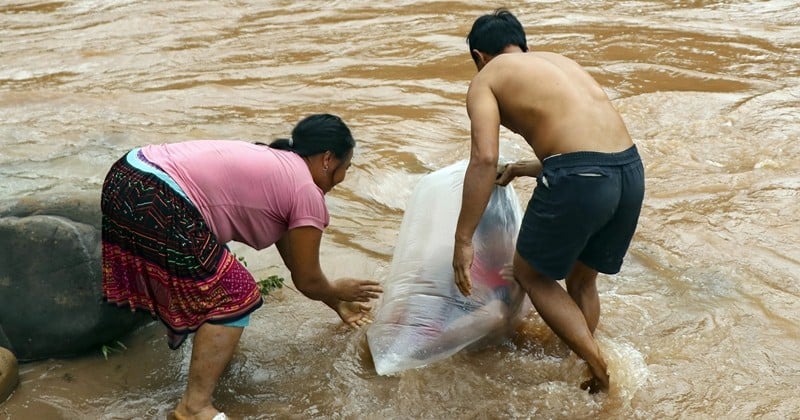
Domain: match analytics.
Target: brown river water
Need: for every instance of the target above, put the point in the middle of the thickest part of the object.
(702, 322)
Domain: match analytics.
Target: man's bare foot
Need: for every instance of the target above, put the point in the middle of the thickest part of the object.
(595, 385)
(599, 375)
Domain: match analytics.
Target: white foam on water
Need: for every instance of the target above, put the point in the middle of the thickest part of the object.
(626, 366)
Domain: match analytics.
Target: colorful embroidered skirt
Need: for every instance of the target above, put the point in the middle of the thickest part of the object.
(159, 255)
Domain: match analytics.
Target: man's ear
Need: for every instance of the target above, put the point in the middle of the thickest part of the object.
(476, 56)
(480, 58)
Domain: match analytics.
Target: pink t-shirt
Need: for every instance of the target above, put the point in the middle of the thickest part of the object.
(246, 192)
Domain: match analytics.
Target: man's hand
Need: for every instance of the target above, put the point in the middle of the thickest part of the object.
(509, 171)
(462, 262)
(354, 314)
(354, 290)
(505, 174)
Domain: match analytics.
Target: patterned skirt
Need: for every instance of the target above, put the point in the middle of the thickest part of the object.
(159, 255)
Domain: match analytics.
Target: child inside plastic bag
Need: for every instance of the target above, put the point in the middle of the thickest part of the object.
(422, 317)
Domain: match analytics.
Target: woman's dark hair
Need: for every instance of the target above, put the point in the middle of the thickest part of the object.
(318, 133)
(490, 34)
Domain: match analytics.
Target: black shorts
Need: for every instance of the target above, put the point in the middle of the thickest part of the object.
(585, 207)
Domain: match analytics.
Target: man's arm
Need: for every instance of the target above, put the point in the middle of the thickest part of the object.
(479, 179)
(531, 168)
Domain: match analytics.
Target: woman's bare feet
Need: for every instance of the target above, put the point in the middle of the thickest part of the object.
(183, 413)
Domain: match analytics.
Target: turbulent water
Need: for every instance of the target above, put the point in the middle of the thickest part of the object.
(702, 322)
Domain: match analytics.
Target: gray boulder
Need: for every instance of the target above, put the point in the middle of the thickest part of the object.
(50, 281)
(9, 373)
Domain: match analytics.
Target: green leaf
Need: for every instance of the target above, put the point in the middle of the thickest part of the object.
(267, 285)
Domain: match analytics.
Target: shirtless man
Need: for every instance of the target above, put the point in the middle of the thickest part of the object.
(590, 179)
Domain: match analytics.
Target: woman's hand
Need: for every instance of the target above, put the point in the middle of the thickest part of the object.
(354, 290)
(354, 314)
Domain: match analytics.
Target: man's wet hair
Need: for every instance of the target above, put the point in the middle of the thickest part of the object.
(491, 33)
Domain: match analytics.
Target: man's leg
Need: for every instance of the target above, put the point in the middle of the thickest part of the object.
(212, 350)
(582, 287)
(560, 312)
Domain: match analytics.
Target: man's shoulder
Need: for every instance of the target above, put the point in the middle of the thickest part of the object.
(513, 61)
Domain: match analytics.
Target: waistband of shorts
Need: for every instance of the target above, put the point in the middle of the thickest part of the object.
(565, 160)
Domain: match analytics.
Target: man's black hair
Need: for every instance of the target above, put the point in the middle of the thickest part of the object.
(492, 33)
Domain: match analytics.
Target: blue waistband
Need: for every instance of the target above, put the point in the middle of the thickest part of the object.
(136, 159)
(629, 155)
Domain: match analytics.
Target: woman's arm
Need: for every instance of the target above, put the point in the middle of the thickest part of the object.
(283, 250)
(299, 249)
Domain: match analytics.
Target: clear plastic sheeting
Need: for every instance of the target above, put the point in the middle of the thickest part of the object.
(423, 317)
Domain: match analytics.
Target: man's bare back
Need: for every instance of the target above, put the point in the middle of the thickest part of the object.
(590, 179)
(550, 101)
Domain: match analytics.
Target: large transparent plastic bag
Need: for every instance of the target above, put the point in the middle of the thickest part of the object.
(422, 317)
